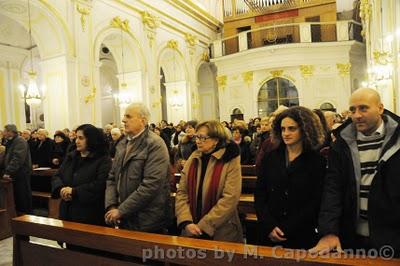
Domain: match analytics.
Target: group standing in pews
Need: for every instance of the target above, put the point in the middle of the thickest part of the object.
(302, 200)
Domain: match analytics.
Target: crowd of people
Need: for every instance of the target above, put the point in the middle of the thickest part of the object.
(325, 181)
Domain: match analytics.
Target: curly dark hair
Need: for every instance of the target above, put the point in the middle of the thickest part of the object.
(310, 127)
(95, 139)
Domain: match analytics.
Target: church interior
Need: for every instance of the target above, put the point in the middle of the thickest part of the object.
(65, 63)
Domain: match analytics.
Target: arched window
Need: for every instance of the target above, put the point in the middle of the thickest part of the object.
(275, 92)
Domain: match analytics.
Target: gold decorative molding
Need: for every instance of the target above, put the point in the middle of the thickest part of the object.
(116, 22)
(382, 58)
(151, 23)
(191, 40)
(365, 14)
(173, 44)
(91, 96)
(84, 12)
(247, 77)
(150, 20)
(276, 73)
(205, 57)
(307, 70)
(221, 81)
(344, 69)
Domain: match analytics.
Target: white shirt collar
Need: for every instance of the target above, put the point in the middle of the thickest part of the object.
(129, 138)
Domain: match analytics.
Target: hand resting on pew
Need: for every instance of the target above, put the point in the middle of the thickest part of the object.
(193, 229)
(113, 217)
(327, 244)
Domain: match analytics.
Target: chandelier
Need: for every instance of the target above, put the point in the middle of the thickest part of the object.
(123, 97)
(32, 96)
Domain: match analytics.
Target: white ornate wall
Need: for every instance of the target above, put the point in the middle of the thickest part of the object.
(320, 71)
(69, 35)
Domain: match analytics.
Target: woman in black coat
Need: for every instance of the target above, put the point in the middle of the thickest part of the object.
(81, 179)
(289, 183)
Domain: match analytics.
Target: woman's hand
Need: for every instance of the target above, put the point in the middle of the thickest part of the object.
(277, 235)
(193, 229)
(66, 193)
(182, 162)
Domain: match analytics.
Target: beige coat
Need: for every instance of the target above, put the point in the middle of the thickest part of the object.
(222, 222)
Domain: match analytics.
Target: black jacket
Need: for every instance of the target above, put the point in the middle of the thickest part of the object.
(289, 197)
(339, 209)
(43, 153)
(87, 177)
(17, 164)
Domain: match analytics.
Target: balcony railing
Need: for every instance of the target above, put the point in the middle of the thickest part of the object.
(311, 32)
(235, 9)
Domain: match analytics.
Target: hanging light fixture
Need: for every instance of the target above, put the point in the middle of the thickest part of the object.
(123, 97)
(33, 97)
(175, 100)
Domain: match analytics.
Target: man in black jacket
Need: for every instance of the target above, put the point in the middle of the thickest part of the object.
(361, 202)
(17, 168)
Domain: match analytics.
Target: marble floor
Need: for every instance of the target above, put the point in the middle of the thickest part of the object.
(6, 248)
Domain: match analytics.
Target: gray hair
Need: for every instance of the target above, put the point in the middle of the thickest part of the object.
(142, 110)
(11, 128)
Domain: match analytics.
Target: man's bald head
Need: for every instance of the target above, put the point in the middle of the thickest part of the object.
(366, 94)
(366, 109)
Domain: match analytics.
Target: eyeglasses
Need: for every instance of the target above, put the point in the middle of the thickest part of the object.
(201, 138)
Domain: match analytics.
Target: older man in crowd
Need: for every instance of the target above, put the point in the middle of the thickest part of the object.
(17, 168)
(137, 194)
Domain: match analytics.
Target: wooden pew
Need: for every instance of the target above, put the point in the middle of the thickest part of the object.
(122, 247)
(248, 183)
(41, 187)
(249, 170)
(7, 208)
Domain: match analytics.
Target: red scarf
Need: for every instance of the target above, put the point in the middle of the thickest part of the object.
(211, 196)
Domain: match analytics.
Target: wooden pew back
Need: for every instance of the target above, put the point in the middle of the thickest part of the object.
(7, 208)
(141, 246)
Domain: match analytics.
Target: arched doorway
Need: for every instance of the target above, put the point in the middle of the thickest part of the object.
(163, 93)
(51, 46)
(126, 64)
(276, 92)
(109, 87)
(208, 95)
(173, 78)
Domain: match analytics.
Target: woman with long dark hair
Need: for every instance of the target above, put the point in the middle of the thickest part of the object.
(289, 181)
(81, 180)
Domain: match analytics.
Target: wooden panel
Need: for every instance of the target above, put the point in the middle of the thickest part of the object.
(249, 170)
(63, 257)
(140, 244)
(7, 210)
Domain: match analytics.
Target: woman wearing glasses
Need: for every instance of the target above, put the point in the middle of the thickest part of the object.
(289, 183)
(210, 187)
